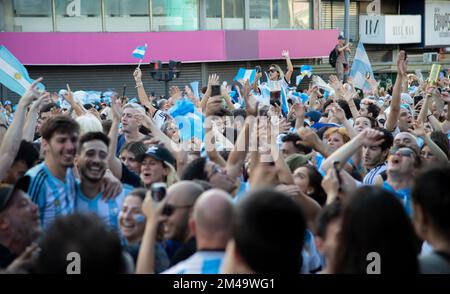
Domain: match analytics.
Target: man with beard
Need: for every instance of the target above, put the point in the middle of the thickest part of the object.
(19, 221)
(53, 182)
(92, 159)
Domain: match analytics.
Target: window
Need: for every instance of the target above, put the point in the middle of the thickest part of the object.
(127, 15)
(78, 16)
(259, 14)
(301, 13)
(175, 15)
(31, 16)
(332, 17)
(281, 14)
(234, 15)
(214, 14)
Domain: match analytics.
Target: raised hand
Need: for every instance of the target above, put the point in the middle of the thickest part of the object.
(137, 75)
(335, 83)
(31, 93)
(402, 63)
(68, 96)
(175, 92)
(308, 137)
(371, 137)
(116, 108)
(339, 113)
(213, 80)
(251, 106)
(285, 54)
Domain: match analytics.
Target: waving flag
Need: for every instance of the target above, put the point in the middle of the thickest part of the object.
(139, 52)
(306, 70)
(360, 68)
(13, 75)
(245, 74)
(194, 86)
(189, 121)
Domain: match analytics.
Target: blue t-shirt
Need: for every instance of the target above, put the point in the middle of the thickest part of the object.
(202, 262)
(404, 195)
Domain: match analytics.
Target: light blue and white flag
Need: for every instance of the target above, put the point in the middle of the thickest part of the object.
(245, 74)
(139, 52)
(194, 86)
(13, 75)
(306, 70)
(189, 121)
(360, 68)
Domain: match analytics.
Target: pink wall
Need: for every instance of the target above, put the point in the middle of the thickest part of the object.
(191, 46)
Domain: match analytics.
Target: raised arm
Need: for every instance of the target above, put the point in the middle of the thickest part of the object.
(32, 117)
(368, 137)
(142, 95)
(290, 67)
(212, 80)
(11, 141)
(77, 108)
(310, 139)
(115, 165)
(392, 119)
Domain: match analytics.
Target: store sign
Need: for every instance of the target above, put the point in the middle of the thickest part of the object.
(437, 23)
(390, 29)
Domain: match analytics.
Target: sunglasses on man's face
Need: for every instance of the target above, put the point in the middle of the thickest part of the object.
(169, 209)
(402, 152)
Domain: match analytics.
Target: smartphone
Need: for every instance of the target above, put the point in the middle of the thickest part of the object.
(215, 90)
(158, 191)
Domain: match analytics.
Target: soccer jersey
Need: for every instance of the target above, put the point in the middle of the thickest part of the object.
(53, 196)
(107, 210)
(371, 176)
(202, 262)
(404, 195)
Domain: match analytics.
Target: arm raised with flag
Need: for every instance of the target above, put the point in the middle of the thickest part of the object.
(143, 98)
(11, 141)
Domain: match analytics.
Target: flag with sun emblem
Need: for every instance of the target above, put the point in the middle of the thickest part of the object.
(13, 75)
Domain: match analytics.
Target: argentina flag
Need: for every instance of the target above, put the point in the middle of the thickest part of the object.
(245, 74)
(189, 121)
(13, 75)
(139, 52)
(306, 70)
(361, 66)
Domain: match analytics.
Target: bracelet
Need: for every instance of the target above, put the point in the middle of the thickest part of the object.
(138, 85)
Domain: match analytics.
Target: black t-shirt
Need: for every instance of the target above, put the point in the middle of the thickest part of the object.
(130, 178)
(184, 252)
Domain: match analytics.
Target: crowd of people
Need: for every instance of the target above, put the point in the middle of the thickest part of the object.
(265, 180)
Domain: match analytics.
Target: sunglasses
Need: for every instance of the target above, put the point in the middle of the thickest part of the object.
(272, 70)
(382, 121)
(402, 152)
(169, 209)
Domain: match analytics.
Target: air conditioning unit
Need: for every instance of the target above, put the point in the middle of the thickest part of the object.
(430, 57)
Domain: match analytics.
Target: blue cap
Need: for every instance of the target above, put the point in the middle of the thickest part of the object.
(314, 115)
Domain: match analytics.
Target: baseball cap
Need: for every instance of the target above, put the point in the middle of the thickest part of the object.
(314, 115)
(295, 161)
(159, 153)
(7, 191)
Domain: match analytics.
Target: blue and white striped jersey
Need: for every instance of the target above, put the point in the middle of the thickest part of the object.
(202, 262)
(108, 210)
(53, 196)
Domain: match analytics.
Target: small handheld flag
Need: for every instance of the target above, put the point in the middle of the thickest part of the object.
(139, 53)
(245, 74)
(13, 75)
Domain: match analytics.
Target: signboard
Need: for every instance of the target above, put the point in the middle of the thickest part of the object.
(437, 23)
(390, 29)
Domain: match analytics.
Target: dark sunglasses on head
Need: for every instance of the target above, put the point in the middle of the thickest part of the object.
(272, 70)
(169, 209)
